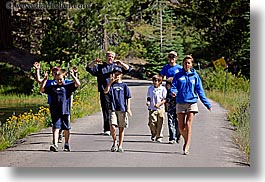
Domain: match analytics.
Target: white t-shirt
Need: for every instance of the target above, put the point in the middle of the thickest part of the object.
(156, 95)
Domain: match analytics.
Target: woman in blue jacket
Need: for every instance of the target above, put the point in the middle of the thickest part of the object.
(187, 87)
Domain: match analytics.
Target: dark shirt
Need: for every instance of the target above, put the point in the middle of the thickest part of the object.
(171, 101)
(102, 72)
(60, 98)
(119, 92)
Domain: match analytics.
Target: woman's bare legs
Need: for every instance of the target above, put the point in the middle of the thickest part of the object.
(185, 124)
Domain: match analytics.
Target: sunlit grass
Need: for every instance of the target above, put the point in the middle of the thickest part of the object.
(238, 106)
(85, 102)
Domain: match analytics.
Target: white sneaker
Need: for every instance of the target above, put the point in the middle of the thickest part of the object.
(107, 133)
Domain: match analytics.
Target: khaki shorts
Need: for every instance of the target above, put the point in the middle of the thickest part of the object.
(119, 118)
(184, 108)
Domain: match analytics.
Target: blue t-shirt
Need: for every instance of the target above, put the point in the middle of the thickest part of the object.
(53, 82)
(119, 92)
(60, 98)
(170, 71)
(103, 71)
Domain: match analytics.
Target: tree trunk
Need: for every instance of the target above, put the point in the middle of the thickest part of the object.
(5, 25)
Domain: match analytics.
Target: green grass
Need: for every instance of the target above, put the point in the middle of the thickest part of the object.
(238, 106)
(85, 102)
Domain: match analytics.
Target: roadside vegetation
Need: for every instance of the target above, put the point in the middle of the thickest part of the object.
(233, 93)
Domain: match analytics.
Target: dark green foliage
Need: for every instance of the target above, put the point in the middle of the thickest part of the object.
(206, 29)
(13, 80)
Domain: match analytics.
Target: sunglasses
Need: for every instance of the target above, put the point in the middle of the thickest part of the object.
(171, 56)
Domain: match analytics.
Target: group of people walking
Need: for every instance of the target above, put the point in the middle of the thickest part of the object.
(183, 88)
(178, 98)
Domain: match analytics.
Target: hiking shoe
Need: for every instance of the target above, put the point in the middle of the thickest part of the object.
(66, 148)
(114, 148)
(60, 138)
(120, 150)
(54, 148)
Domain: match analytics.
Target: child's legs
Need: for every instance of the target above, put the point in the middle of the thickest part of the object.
(113, 133)
(152, 123)
(66, 135)
(160, 122)
(66, 127)
(171, 124)
(55, 136)
(123, 123)
(121, 136)
(56, 126)
(113, 125)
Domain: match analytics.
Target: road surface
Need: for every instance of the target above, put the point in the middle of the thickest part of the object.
(211, 144)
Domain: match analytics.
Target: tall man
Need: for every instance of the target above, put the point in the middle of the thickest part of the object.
(103, 71)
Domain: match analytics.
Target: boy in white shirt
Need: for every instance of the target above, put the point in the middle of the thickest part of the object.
(156, 98)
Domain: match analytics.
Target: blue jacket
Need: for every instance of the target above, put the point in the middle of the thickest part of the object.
(188, 87)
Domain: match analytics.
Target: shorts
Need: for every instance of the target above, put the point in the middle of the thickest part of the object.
(61, 122)
(187, 107)
(119, 118)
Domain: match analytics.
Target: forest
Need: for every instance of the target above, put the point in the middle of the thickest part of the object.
(146, 30)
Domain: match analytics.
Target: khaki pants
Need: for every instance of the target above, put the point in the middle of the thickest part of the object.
(156, 121)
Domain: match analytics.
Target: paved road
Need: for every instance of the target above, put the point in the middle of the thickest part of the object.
(211, 144)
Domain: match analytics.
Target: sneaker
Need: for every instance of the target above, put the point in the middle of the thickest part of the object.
(114, 148)
(172, 142)
(107, 133)
(159, 140)
(60, 139)
(120, 150)
(66, 148)
(153, 139)
(54, 148)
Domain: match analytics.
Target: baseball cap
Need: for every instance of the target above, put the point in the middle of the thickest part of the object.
(173, 53)
(56, 68)
(117, 68)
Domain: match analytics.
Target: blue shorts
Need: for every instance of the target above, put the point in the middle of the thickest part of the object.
(61, 122)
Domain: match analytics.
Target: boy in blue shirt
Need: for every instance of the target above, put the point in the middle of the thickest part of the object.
(54, 70)
(60, 105)
(120, 107)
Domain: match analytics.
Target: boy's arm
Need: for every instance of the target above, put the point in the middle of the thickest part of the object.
(160, 103)
(106, 90)
(43, 83)
(129, 106)
(76, 80)
(37, 67)
(163, 101)
(112, 79)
